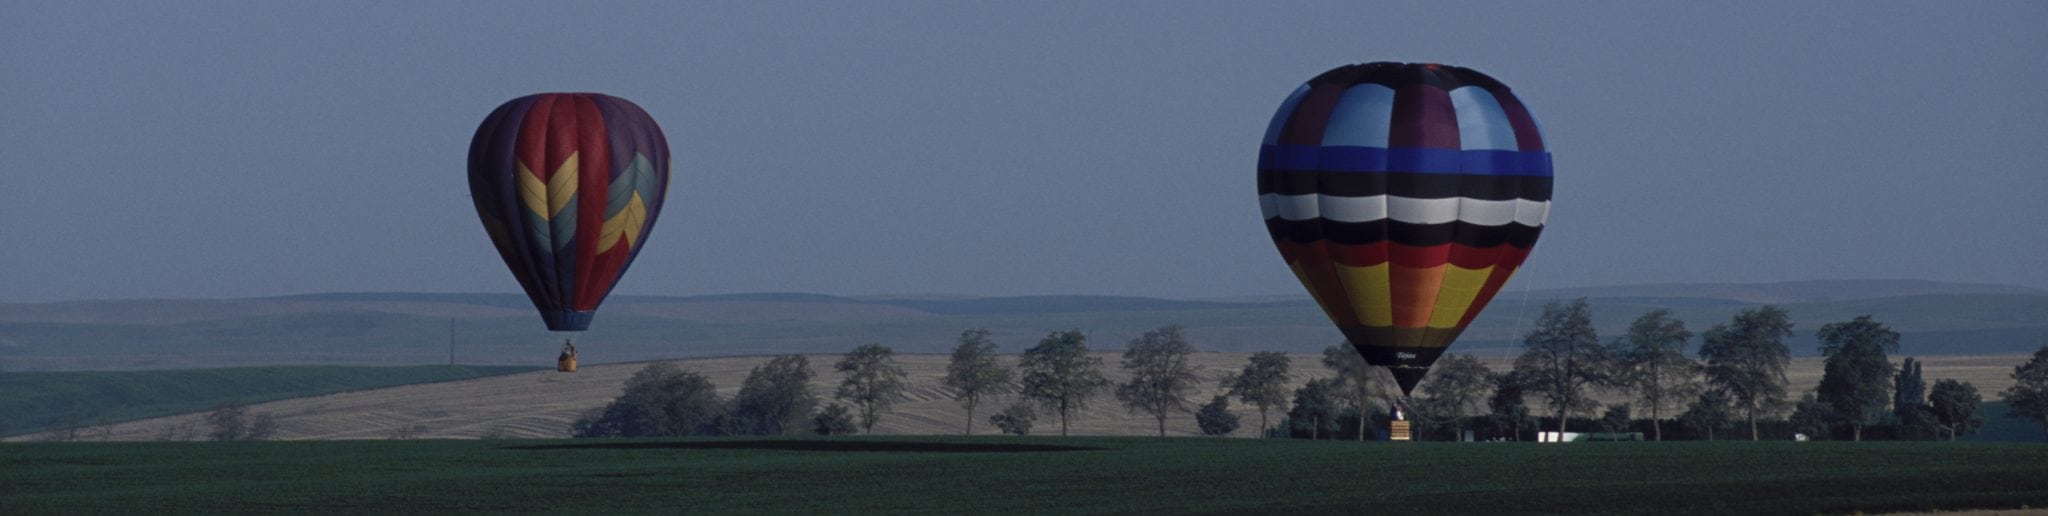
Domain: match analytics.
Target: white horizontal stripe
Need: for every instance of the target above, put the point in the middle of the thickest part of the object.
(1420, 211)
(1296, 207)
(1405, 209)
(1533, 213)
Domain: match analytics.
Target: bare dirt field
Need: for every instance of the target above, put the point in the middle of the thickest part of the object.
(543, 404)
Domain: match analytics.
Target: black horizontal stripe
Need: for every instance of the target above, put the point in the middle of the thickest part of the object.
(1361, 233)
(1402, 184)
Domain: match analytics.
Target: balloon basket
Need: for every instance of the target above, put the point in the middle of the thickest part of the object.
(1398, 431)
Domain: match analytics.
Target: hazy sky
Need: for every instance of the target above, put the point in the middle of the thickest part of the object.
(199, 149)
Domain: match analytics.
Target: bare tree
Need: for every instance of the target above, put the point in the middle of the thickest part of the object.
(973, 373)
(1161, 377)
(69, 425)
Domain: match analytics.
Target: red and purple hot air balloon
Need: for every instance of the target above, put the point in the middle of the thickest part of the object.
(568, 185)
(1403, 195)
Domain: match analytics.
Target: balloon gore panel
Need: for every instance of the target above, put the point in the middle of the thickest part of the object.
(1403, 196)
(568, 185)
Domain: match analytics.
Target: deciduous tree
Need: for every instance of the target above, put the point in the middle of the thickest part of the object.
(261, 428)
(1457, 387)
(1745, 360)
(1314, 413)
(1015, 419)
(659, 400)
(229, 421)
(2028, 396)
(1909, 395)
(1215, 418)
(1356, 383)
(1651, 363)
(1616, 419)
(1856, 379)
(873, 382)
(1954, 406)
(775, 399)
(1707, 413)
(1262, 383)
(834, 420)
(1059, 374)
(1562, 356)
(1161, 376)
(1506, 407)
(1811, 417)
(974, 374)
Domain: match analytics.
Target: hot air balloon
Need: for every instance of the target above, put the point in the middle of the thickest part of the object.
(1403, 195)
(568, 186)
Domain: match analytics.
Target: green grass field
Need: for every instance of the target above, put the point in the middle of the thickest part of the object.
(35, 401)
(1016, 475)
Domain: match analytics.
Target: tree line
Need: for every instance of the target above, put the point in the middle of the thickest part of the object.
(1733, 384)
(1057, 376)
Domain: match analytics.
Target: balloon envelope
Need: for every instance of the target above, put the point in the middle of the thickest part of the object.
(1403, 196)
(568, 186)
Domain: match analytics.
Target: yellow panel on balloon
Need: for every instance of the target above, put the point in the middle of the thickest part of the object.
(1371, 292)
(1460, 287)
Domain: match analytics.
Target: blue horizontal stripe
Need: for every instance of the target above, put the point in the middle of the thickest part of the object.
(1411, 160)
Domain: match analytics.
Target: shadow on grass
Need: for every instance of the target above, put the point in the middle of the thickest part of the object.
(817, 445)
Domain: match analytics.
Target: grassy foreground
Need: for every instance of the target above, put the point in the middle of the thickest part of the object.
(1011, 475)
(36, 401)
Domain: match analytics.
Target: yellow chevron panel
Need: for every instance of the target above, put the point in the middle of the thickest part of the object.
(625, 225)
(1459, 288)
(562, 185)
(1370, 291)
(532, 193)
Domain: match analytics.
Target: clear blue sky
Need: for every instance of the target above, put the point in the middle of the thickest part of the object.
(212, 149)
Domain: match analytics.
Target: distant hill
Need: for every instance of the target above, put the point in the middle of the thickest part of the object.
(36, 401)
(419, 328)
(1792, 291)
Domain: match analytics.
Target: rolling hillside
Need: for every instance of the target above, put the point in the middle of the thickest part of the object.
(37, 401)
(498, 329)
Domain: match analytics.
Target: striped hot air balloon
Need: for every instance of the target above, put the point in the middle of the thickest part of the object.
(568, 185)
(1403, 196)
